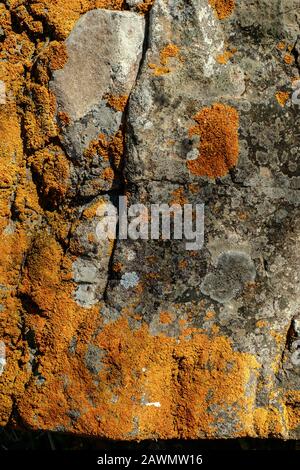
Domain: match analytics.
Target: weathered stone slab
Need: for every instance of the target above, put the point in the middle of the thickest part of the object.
(143, 339)
(104, 51)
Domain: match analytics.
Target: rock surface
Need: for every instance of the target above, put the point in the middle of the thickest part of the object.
(104, 51)
(138, 339)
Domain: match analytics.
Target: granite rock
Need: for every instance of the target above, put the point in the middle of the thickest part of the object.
(176, 102)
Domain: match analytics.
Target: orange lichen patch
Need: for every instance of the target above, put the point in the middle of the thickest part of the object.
(194, 188)
(61, 16)
(117, 267)
(52, 169)
(159, 70)
(185, 377)
(35, 276)
(282, 97)
(10, 145)
(268, 422)
(183, 264)
(47, 290)
(26, 20)
(171, 50)
(179, 197)
(261, 323)
(210, 315)
(242, 215)
(217, 127)
(226, 56)
(108, 175)
(63, 118)
(281, 46)
(278, 337)
(39, 104)
(223, 8)
(289, 59)
(166, 318)
(145, 6)
(152, 275)
(108, 149)
(117, 102)
(92, 210)
(18, 197)
(168, 52)
(57, 55)
(215, 329)
(292, 404)
(42, 274)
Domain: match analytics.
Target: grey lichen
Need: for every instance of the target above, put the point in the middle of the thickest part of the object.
(234, 269)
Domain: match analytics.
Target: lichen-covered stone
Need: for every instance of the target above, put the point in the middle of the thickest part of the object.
(143, 339)
(103, 55)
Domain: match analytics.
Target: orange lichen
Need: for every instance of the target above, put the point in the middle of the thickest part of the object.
(289, 59)
(145, 6)
(39, 113)
(223, 8)
(168, 52)
(63, 118)
(179, 197)
(217, 127)
(183, 264)
(166, 318)
(292, 403)
(215, 329)
(117, 102)
(278, 337)
(194, 376)
(210, 315)
(171, 50)
(57, 55)
(242, 215)
(26, 126)
(268, 422)
(281, 46)
(108, 175)
(61, 16)
(226, 56)
(159, 70)
(187, 378)
(52, 168)
(109, 149)
(261, 323)
(117, 267)
(282, 97)
(193, 188)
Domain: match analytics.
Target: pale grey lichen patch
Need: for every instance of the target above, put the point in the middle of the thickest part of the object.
(74, 414)
(129, 280)
(109, 314)
(93, 358)
(73, 345)
(234, 270)
(131, 255)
